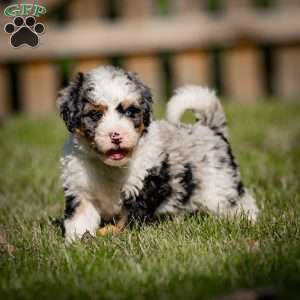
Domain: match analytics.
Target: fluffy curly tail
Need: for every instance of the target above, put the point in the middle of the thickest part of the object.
(203, 102)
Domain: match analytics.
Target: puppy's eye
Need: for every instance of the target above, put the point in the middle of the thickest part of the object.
(131, 111)
(95, 115)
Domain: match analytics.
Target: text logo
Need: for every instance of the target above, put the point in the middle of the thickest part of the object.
(24, 28)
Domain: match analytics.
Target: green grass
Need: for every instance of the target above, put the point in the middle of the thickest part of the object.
(193, 258)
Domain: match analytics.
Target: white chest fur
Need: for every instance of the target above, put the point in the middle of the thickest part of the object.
(106, 185)
(86, 177)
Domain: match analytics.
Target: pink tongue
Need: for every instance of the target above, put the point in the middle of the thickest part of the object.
(116, 155)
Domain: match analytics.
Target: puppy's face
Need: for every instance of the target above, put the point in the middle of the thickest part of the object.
(113, 128)
(110, 109)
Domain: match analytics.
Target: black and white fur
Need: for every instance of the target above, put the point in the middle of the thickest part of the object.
(168, 167)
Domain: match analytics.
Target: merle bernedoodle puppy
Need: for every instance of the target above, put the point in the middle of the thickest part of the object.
(119, 164)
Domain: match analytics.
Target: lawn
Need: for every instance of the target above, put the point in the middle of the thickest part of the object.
(193, 258)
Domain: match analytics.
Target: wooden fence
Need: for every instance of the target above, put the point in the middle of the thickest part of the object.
(244, 51)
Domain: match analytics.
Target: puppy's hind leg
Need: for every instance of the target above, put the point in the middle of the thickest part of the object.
(80, 217)
(247, 205)
(232, 206)
(224, 194)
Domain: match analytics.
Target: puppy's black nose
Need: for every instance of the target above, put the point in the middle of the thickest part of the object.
(115, 138)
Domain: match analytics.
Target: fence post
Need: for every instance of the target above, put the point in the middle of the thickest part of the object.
(187, 6)
(289, 4)
(191, 67)
(148, 66)
(86, 10)
(242, 65)
(132, 9)
(82, 10)
(287, 81)
(38, 86)
(287, 63)
(4, 91)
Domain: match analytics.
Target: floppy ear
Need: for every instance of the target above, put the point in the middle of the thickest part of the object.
(147, 101)
(70, 104)
(146, 105)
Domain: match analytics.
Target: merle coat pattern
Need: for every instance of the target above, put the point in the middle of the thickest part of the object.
(118, 161)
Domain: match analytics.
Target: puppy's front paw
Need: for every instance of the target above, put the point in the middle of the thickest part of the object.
(76, 230)
(84, 219)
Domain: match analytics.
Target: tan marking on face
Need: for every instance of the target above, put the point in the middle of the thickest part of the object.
(90, 106)
(142, 129)
(79, 131)
(101, 107)
(127, 103)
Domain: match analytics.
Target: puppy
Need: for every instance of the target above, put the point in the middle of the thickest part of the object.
(119, 164)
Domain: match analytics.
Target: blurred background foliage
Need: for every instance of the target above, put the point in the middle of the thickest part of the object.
(259, 60)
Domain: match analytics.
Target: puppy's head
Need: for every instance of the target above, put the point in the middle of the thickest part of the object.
(109, 108)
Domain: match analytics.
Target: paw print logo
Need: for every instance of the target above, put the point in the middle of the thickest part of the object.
(24, 31)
